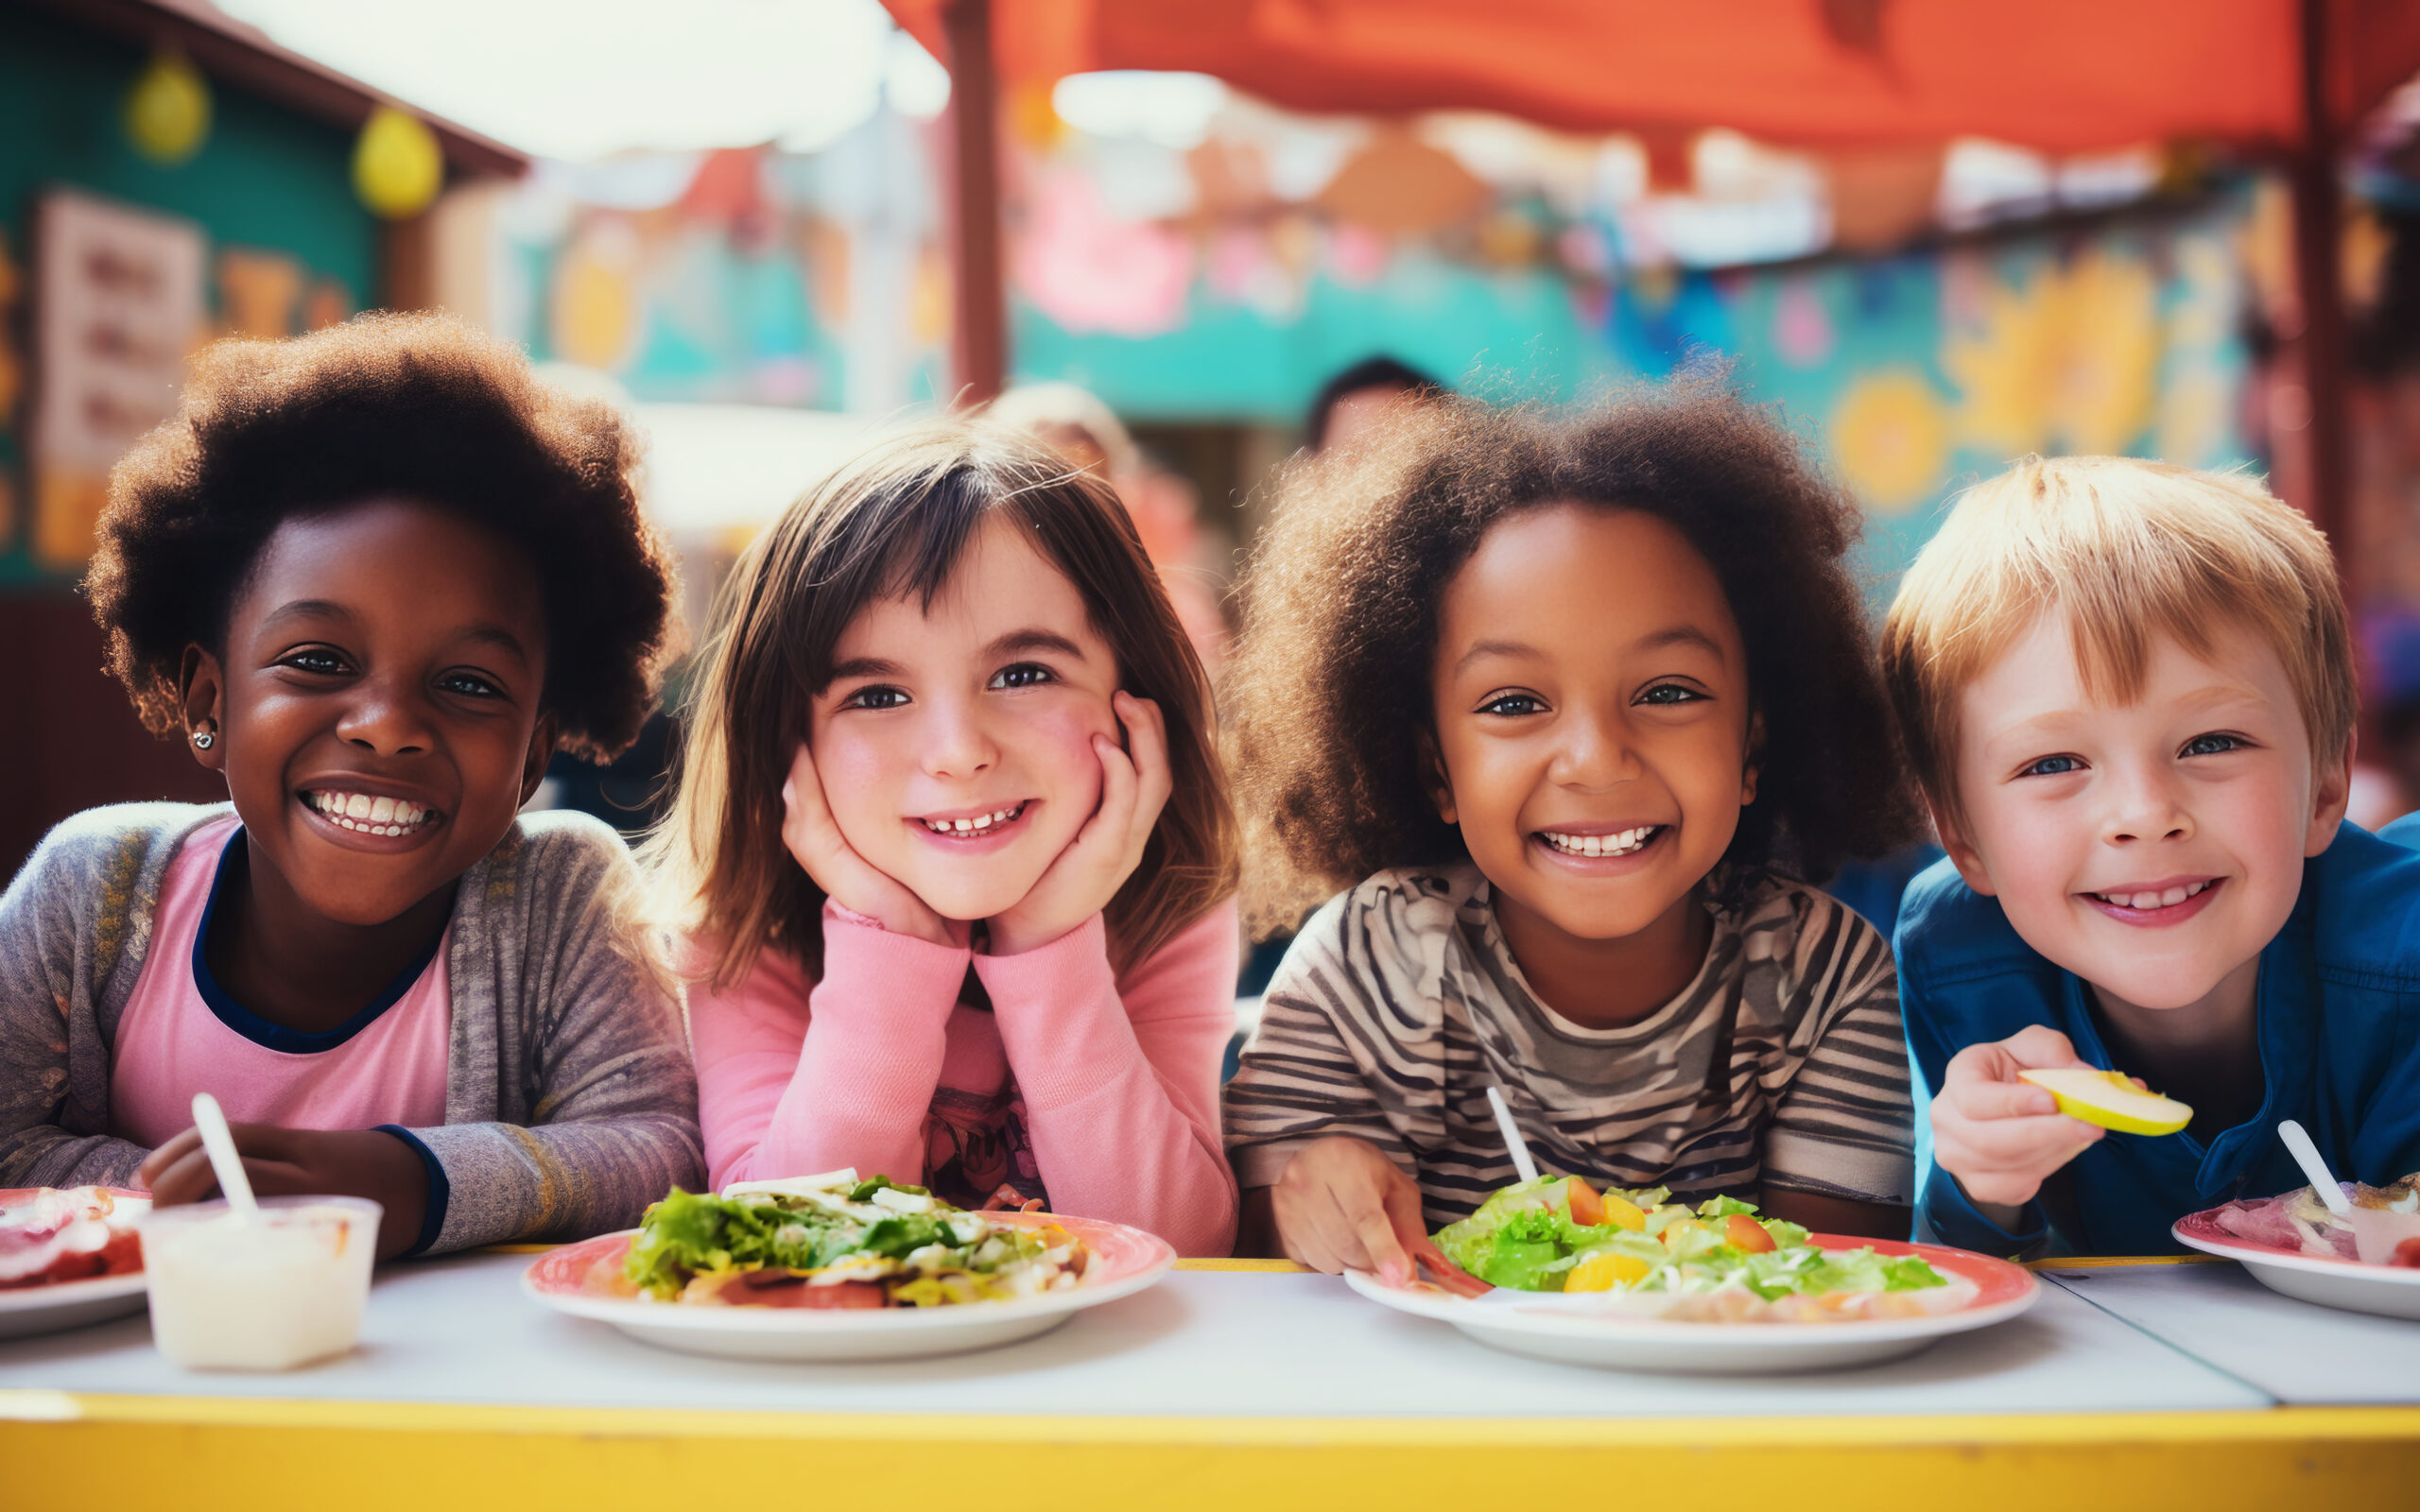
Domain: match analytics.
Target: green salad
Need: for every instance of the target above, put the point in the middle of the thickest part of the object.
(834, 1241)
(1558, 1234)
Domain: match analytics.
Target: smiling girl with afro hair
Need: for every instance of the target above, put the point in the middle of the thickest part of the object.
(374, 579)
(1568, 710)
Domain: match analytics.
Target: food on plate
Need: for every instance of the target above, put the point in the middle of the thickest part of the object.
(272, 1291)
(1716, 1261)
(2111, 1100)
(2384, 1228)
(48, 1236)
(834, 1241)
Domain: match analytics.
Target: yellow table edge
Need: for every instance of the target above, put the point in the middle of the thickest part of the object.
(235, 1454)
(2265, 1424)
(202, 1454)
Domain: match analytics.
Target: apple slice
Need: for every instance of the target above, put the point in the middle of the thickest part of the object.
(2108, 1099)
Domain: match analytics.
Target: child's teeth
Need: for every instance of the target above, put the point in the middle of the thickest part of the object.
(975, 825)
(1620, 843)
(2168, 898)
(364, 814)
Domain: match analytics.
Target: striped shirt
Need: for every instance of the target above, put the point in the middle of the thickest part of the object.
(1781, 1065)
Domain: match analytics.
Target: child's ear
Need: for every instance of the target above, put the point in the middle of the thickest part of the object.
(2331, 792)
(541, 750)
(1963, 854)
(1432, 777)
(1755, 760)
(200, 691)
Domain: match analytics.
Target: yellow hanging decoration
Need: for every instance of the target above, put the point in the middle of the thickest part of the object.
(397, 165)
(167, 112)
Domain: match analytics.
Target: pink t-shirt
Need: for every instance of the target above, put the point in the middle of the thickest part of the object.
(182, 1034)
(1094, 1091)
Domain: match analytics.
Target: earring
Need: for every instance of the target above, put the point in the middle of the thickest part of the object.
(203, 740)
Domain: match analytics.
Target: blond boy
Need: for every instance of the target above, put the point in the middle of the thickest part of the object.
(2128, 691)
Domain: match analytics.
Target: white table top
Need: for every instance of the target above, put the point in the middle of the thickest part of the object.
(1199, 1343)
(2301, 1354)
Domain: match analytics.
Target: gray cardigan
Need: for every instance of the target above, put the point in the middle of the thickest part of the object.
(569, 1100)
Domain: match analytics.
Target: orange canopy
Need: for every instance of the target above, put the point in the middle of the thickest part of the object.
(2062, 76)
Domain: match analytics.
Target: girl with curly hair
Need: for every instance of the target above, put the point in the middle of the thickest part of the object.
(1574, 708)
(372, 578)
(952, 849)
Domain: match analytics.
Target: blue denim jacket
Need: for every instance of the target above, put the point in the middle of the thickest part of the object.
(2339, 1035)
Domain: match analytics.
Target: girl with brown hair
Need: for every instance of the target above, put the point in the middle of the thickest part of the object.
(952, 852)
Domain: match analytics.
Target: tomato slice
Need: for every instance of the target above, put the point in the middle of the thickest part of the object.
(1588, 1208)
(775, 1288)
(1745, 1233)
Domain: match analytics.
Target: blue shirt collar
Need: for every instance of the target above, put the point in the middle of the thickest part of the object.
(261, 1031)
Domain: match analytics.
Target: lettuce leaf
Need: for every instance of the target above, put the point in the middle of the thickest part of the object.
(690, 1234)
(1522, 1237)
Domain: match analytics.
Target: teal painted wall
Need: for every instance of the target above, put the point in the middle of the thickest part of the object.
(265, 178)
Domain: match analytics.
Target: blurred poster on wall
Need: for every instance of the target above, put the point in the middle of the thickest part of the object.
(117, 306)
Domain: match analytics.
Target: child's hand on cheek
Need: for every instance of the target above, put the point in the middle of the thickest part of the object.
(1106, 850)
(2000, 1137)
(814, 840)
(304, 1162)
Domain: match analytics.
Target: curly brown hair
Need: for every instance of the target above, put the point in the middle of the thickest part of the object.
(1330, 690)
(419, 406)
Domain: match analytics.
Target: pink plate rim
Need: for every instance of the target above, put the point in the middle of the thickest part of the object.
(1999, 1284)
(1122, 1255)
(82, 1289)
(2201, 1230)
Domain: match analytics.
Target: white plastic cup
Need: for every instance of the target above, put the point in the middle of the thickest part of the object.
(270, 1294)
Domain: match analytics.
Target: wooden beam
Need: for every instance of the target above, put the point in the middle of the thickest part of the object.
(2318, 209)
(979, 334)
(238, 56)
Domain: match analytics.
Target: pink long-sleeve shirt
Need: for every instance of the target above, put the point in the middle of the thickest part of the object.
(1094, 1091)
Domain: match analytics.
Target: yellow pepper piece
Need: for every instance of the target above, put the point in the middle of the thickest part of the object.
(1673, 1230)
(1623, 1213)
(1603, 1271)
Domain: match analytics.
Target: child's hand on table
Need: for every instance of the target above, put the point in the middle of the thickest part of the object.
(304, 1163)
(814, 840)
(2000, 1137)
(1087, 875)
(1341, 1205)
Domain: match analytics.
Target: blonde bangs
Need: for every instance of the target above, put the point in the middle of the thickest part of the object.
(2129, 552)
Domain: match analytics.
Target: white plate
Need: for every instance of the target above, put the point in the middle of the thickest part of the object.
(2390, 1291)
(1617, 1343)
(1124, 1262)
(26, 1311)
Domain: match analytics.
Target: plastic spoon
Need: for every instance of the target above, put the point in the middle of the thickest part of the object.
(224, 1163)
(2378, 1235)
(2322, 1180)
(1512, 1140)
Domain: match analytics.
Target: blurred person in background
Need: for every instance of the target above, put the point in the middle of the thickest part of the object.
(1353, 401)
(2387, 785)
(1165, 506)
(1076, 424)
